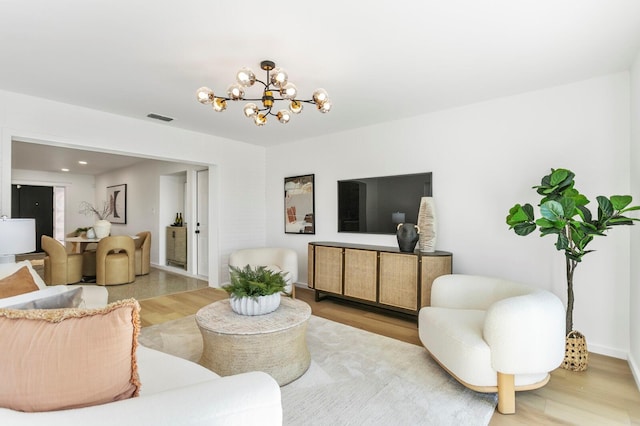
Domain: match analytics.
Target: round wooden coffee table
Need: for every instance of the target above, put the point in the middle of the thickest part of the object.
(274, 343)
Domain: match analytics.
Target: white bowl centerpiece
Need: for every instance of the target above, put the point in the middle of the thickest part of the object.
(254, 291)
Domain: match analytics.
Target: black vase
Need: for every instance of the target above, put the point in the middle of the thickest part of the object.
(407, 234)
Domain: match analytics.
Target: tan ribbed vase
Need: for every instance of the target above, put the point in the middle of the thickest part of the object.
(427, 225)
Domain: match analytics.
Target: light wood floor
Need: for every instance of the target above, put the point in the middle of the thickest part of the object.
(605, 394)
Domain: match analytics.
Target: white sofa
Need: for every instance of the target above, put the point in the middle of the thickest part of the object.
(93, 296)
(494, 335)
(173, 391)
(275, 259)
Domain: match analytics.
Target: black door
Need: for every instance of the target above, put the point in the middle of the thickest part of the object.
(34, 202)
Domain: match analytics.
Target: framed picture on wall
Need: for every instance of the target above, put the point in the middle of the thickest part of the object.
(299, 209)
(117, 198)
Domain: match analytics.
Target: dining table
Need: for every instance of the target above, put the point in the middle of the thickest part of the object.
(79, 244)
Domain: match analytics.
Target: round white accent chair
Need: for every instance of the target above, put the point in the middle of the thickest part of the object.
(275, 259)
(494, 335)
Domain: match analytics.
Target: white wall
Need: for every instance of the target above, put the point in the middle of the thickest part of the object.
(485, 158)
(236, 189)
(634, 299)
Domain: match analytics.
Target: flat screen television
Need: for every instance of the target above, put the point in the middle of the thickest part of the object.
(376, 205)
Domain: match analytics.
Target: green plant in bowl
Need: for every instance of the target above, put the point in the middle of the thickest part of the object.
(254, 282)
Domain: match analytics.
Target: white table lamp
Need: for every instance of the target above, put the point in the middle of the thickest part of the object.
(17, 236)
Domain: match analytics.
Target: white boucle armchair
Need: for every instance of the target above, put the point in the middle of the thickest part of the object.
(275, 259)
(494, 335)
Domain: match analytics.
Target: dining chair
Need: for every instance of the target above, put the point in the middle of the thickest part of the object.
(143, 253)
(115, 260)
(60, 267)
(88, 252)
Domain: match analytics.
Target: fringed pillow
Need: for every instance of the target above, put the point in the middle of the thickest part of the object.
(67, 358)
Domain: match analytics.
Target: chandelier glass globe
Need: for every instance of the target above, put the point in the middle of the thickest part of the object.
(289, 91)
(250, 109)
(235, 92)
(204, 95)
(260, 119)
(284, 115)
(295, 107)
(245, 77)
(279, 77)
(219, 104)
(320, 96)
(325, 106)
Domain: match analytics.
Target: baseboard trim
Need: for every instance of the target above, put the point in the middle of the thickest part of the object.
(175, 270)
(605, 350)
(633, 365)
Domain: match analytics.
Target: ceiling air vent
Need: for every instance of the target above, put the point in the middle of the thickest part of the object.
(159, 117)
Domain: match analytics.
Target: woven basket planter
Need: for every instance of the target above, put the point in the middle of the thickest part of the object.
(576, 356)
(255, 306)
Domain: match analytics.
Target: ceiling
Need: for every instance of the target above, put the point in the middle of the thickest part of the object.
(50, 158)
(379, 60)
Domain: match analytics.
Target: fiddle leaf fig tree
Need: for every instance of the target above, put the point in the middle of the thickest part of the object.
(564, 213)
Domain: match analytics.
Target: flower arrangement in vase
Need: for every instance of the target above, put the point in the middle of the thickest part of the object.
(102, 227)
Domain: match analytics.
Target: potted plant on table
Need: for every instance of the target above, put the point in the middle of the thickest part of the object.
(255, 291)
(565, 215)
(81, 232)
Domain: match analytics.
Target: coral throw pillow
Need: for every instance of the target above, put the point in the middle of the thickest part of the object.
(19, 282)
(67, 358)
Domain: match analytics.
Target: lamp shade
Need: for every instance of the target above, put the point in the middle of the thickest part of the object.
(17, 236)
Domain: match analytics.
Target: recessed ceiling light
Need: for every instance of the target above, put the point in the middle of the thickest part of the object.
(65, 170)
(82, 162)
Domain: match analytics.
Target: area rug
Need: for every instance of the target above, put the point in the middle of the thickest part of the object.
(355, 378)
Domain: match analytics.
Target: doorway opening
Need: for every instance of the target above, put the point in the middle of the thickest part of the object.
(71, 188)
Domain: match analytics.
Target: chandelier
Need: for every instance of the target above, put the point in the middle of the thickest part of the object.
(277, 82)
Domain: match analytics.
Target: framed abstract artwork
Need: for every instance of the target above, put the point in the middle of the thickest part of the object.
(117, 198)
(299, 200)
